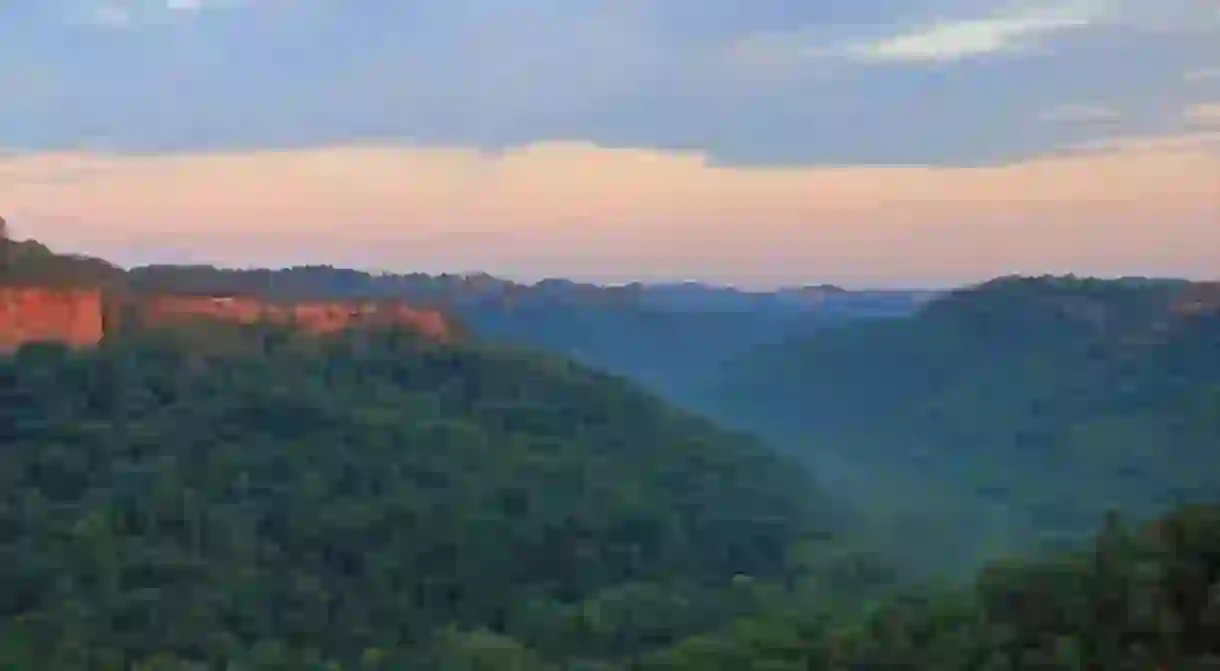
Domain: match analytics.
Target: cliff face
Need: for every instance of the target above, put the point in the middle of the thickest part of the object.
(40, 301)
(314, 317)
(81, 317)
(42, 314)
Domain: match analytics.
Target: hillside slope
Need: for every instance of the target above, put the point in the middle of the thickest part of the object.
(1046, 401)
(1135, 598)
(233, 493)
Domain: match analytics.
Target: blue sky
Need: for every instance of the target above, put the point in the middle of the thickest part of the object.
(749, 81)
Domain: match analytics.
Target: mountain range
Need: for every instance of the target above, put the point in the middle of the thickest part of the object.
(666, 335)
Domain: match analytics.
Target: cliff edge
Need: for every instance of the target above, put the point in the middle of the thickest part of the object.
(77, 301)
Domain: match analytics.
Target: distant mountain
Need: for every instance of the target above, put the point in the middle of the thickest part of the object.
(667, 336)
(1043, 400)
(478, 288)
(824, 299)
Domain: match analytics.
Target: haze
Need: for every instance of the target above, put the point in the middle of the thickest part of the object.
(877, 142)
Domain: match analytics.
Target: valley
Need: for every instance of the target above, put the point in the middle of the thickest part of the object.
(692, 335)
(321, 468)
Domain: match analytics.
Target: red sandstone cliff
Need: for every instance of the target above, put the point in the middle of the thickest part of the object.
(314, 317)
(45, 314)
(81, 317)
(37, 304)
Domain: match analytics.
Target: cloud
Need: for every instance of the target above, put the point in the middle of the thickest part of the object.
(1142, 205)
(1204, 114)
(758, 82)
(1204, 141)
(949, 41)
(1012, 29)
(940, 41)
(1081, 113)
(19, 170)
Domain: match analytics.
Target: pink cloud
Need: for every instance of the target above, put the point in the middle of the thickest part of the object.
(1134, 206)
(1204, 115)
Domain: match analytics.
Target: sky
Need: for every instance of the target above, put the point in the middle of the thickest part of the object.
(752, 142)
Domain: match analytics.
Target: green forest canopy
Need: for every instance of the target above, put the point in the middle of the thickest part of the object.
(204, 496)
(378, 502)
(1051, 400)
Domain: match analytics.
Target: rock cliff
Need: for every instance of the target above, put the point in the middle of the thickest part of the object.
(314, 317)
(76, 300)
(82, 317)
(36, 314)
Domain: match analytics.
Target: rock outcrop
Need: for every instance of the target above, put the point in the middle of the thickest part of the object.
(75, 317)
(314, 317)
(77, 301)
(83, 317)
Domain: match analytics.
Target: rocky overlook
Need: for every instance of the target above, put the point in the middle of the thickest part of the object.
(40, 314)
(77, 301)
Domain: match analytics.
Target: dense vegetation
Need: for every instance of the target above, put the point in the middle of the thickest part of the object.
(247, 498)
(379, 502)
(1038, 404)
(255, 499)
(1137, 599)
(213, 495)
(31, 262)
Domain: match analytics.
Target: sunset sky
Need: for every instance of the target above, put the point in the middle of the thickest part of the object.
(756, 142)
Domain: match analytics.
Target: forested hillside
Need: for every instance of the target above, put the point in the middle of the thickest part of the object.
(257, 499)
(256, 495)
(31, 262)
(226, 497)
(1036, 403)
(1137, 598)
